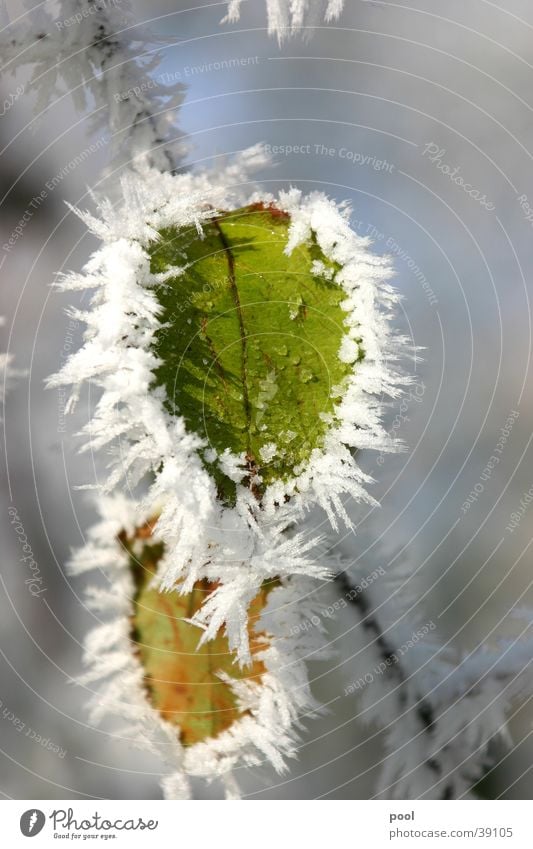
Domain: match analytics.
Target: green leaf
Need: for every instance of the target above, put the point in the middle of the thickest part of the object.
(182, 681)
(249, 340)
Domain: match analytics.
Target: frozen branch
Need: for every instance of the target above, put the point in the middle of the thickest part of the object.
(95, 52)
(440, 711)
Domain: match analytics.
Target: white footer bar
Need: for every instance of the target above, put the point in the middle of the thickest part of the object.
(266, 824)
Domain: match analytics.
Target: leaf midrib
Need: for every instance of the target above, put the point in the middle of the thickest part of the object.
(242, 331)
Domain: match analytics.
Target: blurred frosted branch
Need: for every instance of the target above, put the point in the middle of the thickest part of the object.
(440, 711)
(96, 53)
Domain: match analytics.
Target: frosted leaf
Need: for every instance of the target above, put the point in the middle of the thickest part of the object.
(152, 673)
(213, 468)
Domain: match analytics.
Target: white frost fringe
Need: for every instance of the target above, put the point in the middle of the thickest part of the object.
(131, 421)
(275, 706)
(287, 17)
(8, 376)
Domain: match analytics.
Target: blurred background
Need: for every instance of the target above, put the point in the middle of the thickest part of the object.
(388, 107)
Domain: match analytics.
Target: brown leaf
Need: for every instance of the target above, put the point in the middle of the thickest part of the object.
(182, 680)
